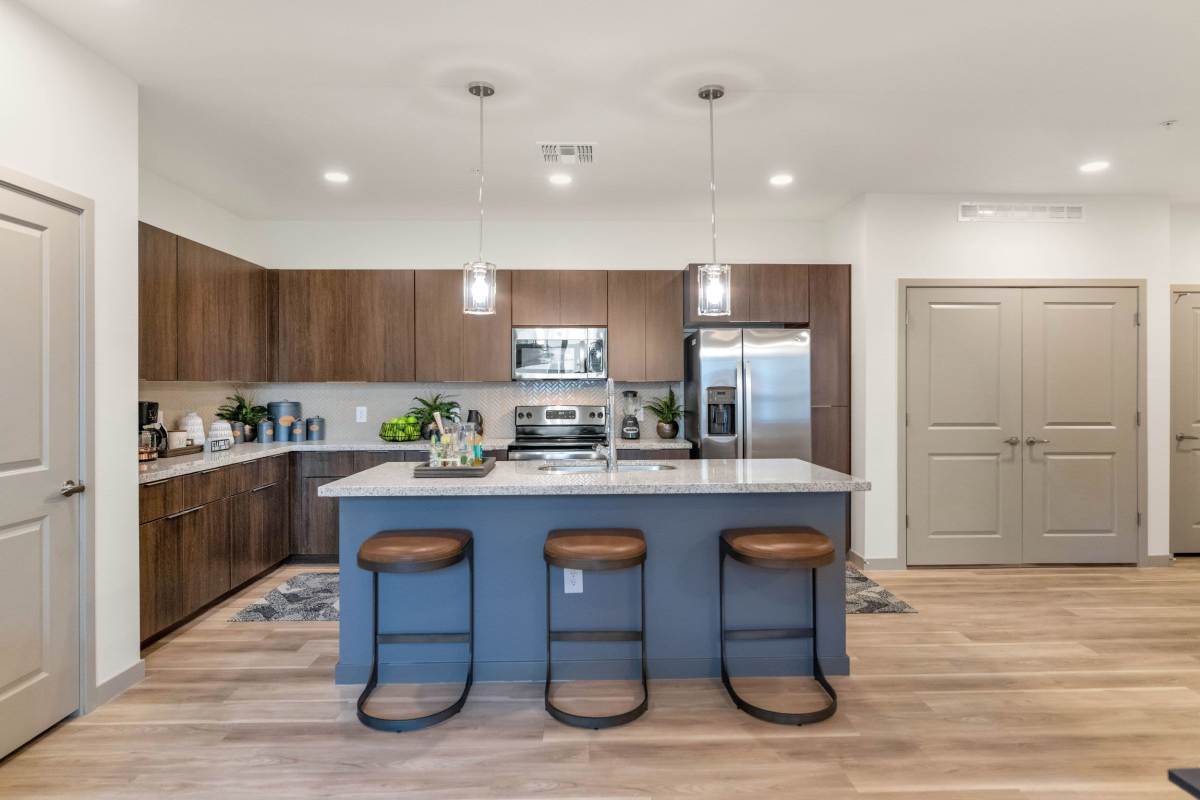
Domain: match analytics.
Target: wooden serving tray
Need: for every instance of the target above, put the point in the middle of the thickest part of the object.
(425, 471)
(184, 451)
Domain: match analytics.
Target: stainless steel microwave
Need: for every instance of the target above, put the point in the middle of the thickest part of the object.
(540, 354)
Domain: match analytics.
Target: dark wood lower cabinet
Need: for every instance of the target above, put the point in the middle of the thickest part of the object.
(652, 454)
(317, 531)
(161, 599)
(258, 531)
(203, 554)
(831, 437)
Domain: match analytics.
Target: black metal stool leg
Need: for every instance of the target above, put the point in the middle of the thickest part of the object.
(580, 720)
(417, 723)
(779, 717)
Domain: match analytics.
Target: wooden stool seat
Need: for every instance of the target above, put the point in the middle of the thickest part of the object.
(417, 550)
(595, 548)
(779, 548)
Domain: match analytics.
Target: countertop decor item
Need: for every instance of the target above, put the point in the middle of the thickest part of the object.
(220, 431)
(460, 471)
(244, 410)
(284, 411)
(194, 425)
(668, 411)
(315, 429)
(401, 429)
(426, 407)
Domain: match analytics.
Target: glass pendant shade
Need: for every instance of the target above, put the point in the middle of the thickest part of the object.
(479, 288)
(714, 291)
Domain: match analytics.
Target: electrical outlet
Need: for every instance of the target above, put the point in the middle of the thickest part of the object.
(360, 414)
(573, 581)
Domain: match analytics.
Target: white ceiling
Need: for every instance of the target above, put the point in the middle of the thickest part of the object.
(247, 103)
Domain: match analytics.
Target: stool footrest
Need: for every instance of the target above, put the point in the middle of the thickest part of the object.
(763, 634)
(423, 638)
(595, 636)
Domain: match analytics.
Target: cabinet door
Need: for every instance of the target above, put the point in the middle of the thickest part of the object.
(583, 297)
(535, 298)
(257, 531)
(204, 284)
(249, 356)
(159, 571)
(318, 534)
(439, 318)
(831, 437)
(487, 338)
(158, 331)
(778, 293)
(204, 553)
(627, 295)
(664, 326)
(829, 321)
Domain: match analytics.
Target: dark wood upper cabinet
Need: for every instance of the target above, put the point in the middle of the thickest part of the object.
(664, 325)
(583, 297)
(487, 338)
(158, 330)
(535, 297)
(829, 321)
(249, 339)
(439, 318)
(345, 325)
(778, 293)
(627, 325)
(739, 291)
(204, 283)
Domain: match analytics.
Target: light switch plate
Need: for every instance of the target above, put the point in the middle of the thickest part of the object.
(573, 581)
(360, 414)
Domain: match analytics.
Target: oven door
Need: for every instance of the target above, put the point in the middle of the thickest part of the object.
(559, 354)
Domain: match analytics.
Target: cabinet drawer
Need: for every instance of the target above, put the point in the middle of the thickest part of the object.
(152, 500)
(260, 472)
(170, 496)
(366, 460)
(327, 465)
(672, 455)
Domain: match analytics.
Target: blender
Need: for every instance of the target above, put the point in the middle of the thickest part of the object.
(629, 423)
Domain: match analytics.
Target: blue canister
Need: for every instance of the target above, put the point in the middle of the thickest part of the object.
(266, 431)
(316, 428)
(297, 430)
(283, 433)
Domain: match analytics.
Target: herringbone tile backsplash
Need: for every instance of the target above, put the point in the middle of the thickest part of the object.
(337, 401)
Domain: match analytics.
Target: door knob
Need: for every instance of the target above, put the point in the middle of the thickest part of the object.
(1013, 440)
(1179, 437)
(1032, 440)
(71, 487)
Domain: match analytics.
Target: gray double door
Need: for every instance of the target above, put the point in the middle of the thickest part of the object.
(1021, 428)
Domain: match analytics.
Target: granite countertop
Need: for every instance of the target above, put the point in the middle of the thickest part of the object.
(164, 468)
(711, 476)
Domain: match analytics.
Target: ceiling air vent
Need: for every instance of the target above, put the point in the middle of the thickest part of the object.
(1020, 212)
(567, 153)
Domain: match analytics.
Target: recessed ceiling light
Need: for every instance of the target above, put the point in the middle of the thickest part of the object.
(336, 176)
(1094, 166)
(560, 179)
(782, 179)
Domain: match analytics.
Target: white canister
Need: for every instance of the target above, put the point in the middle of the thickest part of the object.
(220, 431)
(194, 425)
(177, 440)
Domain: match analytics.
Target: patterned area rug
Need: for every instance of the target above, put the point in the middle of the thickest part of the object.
(313, 597)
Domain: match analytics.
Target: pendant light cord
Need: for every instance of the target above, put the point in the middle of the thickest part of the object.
(712, 177)
(481, 176)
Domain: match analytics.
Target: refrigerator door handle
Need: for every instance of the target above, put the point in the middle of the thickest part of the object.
(740, 414)
(748, 449)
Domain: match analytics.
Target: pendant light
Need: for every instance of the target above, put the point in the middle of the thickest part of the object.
(713, 277)
(479, 276)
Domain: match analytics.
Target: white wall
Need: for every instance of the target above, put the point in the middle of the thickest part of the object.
(1185, 243)
(71, 119)
(919, 236)
(169, 206)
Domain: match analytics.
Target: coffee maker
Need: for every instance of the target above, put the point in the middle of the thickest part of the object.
(148, 421)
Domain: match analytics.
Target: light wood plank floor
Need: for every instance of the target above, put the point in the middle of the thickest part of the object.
(1013, 683)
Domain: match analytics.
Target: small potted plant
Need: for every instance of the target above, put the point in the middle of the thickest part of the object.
(241, 412)
(668, 411)
(426, 407)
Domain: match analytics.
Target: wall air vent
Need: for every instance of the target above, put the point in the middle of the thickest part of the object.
(567, 152)
(1020, 212)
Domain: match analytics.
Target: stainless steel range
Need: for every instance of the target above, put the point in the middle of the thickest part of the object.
(556, 432)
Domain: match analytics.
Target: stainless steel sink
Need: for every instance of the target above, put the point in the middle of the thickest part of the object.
(562, 469)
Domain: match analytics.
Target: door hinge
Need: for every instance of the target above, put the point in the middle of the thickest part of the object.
(907, 319)
(1137, 419)
(1139, 519)
(906, 419)
(906, 521)
(1137, 319)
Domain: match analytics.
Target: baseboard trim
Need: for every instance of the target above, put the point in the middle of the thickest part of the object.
(1158, 561)
(875, 563)
(114, 686)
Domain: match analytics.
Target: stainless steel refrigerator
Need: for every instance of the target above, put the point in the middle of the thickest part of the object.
(748, 393)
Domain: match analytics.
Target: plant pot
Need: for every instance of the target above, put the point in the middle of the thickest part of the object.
(667, 430)
(428, 429)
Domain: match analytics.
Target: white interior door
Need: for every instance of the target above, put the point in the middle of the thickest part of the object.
(1185, 423)
(1079, 416)
(964, 419)
(39, 451)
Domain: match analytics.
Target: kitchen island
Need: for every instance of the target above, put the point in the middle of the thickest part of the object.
(681, 510)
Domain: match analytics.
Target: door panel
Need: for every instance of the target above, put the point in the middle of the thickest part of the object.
(39, 396)
(664, 326)
(778, 399)
(627, 341)
(1185, 422)
(1079, 371)
(964, 401)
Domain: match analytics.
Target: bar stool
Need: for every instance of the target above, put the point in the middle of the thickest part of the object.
(407, 551)
(777, 548)
(596, 549)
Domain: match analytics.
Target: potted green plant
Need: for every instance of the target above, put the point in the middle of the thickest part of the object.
(668, 411)
(242, 412)
(426, 407)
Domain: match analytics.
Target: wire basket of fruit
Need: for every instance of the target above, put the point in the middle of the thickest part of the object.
(401, 429)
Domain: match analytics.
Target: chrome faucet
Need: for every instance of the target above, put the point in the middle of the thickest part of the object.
(609, 448)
